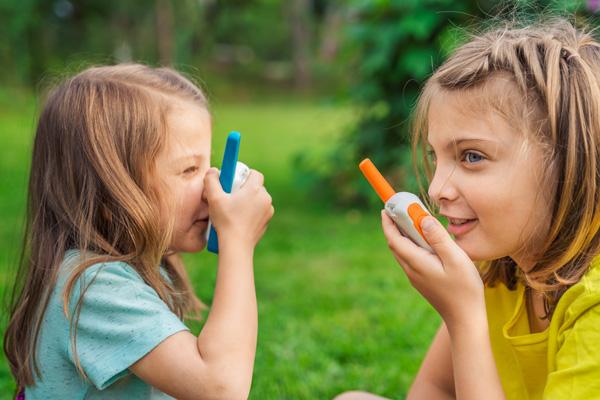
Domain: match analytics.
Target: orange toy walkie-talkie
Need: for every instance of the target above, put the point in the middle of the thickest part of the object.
(404, 208)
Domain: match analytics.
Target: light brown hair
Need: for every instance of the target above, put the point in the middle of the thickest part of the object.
(91, 188)
(554, 70)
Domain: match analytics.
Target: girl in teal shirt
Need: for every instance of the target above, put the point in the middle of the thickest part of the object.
(120, 185)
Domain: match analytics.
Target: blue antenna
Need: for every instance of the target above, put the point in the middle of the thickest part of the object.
(230, 158)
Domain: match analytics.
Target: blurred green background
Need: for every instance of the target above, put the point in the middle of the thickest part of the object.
(313, 86)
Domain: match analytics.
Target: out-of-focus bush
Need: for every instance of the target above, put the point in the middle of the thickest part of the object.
(393, 46)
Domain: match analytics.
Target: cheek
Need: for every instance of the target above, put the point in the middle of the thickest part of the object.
(190, 191)
(191, 197)
(197, 187)
(535, 217)
(496, 199)
(189, 202)
(495, 234)
(510, 216)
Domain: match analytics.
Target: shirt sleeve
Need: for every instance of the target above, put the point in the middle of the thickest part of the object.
(577, 374)
(121, 320)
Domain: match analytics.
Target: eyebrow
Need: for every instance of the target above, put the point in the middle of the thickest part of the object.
(189, 157)
(464, 140)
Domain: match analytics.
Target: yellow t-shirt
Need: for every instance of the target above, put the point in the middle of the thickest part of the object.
(563, 361)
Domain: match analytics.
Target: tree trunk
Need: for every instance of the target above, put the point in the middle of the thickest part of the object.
(301, 36)
(164, 31)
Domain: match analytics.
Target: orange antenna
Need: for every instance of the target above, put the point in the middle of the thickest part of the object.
(381, 186)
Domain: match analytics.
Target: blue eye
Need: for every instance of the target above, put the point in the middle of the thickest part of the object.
(472, 157)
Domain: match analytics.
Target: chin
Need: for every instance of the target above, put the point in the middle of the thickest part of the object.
(478, 255)
(190, 246)
(474, 251)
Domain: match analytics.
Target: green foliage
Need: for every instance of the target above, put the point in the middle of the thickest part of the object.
(394, 46)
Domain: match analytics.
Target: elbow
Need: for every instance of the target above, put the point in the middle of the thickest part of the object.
(229, 392)
(230, 388)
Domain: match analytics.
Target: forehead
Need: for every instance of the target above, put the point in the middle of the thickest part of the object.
(488, 112)
(189, 130)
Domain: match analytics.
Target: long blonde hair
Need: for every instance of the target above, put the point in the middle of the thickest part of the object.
(555, 69)
(90, 188)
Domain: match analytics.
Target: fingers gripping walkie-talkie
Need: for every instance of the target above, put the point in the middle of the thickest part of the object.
(232, 177)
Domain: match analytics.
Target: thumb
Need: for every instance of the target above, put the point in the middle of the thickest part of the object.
(439, 239)
(212, 185)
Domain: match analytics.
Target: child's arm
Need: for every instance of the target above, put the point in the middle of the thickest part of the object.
(449, 280)
(219, 363)
(435, 379)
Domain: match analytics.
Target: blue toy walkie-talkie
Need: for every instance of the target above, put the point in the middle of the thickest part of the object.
(228, 170)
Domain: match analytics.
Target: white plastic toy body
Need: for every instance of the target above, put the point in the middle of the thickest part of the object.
(403, 210)
(241, 175)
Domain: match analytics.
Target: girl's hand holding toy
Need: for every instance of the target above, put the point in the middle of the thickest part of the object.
(436, 266)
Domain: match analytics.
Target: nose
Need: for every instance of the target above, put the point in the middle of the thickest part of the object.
(442, 187)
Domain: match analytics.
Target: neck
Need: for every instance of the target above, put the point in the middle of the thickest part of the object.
(525, 264)
(536, 311)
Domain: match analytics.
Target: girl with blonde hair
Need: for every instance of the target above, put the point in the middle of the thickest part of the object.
(119, 186)
(512, 124)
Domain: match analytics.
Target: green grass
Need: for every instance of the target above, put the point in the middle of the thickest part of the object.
(335, 311)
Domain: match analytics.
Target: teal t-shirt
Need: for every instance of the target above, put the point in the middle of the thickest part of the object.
(121, 320)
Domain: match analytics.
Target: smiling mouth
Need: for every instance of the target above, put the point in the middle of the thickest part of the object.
(460, 226)
(459, 221)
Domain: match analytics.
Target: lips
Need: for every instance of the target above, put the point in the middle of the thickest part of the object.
(458, 221)
(201, 221)
(460, 226)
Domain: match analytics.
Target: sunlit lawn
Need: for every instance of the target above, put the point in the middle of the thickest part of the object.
(336, 313)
